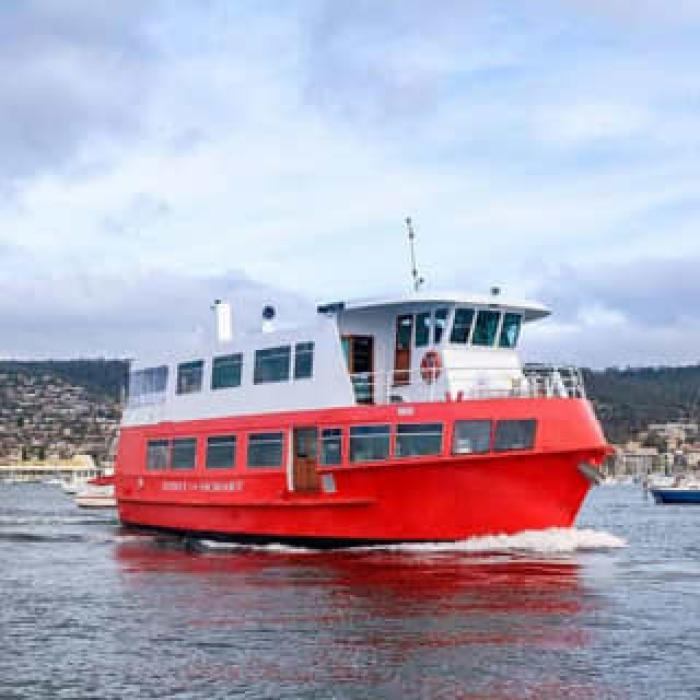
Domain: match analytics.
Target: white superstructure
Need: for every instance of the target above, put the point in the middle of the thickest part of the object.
(421, 347)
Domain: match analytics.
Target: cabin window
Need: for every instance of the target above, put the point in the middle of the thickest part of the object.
(147, 385)
(272, 364)
(423, 323)
(157, 454)
(462, 326)
(510, 331)
(486, 328)
(265, 450)
(369, 443)
(515, 434)
(303, 360)
(189, 377)
(471, 436)
(331, 446)
(183, 453)
(221, 452)
(416, 439)
(226, 371)
(402, 352)
(439, 325)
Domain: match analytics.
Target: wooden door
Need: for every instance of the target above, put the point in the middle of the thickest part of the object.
(359, 355)
(305, 476)
(402, 355)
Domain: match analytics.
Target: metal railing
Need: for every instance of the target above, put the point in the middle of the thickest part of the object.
(463, 383)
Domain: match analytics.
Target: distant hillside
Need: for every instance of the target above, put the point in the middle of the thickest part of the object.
(626, 399)
(629, 399)
(104, 379)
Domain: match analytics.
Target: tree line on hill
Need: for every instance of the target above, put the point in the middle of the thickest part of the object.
(626, 400)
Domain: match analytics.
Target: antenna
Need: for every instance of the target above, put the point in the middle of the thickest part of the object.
(417, 279)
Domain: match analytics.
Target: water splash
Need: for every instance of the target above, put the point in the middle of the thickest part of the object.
(554, 541)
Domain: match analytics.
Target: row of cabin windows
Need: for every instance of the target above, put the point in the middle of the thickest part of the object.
(271, 365)
(479, 328)
(368, 443)
(264, 450)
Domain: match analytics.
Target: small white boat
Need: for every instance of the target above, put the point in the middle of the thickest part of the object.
(97, 493)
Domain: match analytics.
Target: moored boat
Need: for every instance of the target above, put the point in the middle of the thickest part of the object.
(403, 419)
(97, 493)
(682, 491)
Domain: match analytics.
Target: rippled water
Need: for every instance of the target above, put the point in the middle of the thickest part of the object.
(608, 610)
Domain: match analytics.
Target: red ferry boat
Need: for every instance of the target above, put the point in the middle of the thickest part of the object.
(405, 419)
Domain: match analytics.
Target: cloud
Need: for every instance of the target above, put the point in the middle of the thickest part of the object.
(153, 147)
(69, 71)
(638, 312)
(80, 314)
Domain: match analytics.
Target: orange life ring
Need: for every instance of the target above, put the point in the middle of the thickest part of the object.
(430, 367)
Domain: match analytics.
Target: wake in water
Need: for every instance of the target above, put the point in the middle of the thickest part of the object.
(554, 541)
(51, 519)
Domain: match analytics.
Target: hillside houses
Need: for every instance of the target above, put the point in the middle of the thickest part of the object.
(44, 417)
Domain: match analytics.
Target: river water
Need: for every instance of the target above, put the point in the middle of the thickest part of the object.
(610, 609)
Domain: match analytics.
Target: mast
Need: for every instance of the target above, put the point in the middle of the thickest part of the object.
(417, 279)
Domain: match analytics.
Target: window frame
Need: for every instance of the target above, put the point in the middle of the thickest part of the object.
(470, 326)
(489, 422)
(147, 385)
(250, 437)
(163, 442)
(300, 350)
(322, 441)
(378, 434)
(257, 366)
(174, 447)
(501, 330)
(486, 312)
(532, 437)
(182, 368)
(235, 358)
(423, 332)
(441, 323)
(398, 435)
(231, 438)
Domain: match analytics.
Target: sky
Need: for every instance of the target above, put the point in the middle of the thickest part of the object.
(156, 156)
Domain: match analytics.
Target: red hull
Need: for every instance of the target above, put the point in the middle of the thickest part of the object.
(442, 497)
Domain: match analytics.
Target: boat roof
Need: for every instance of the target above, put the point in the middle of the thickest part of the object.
(531, 310)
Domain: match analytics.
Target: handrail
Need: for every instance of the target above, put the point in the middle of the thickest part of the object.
(460, 383)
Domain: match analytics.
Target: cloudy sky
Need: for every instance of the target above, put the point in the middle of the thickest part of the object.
(156, 155)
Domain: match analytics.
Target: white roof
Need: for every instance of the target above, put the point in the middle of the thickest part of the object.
(531, 310)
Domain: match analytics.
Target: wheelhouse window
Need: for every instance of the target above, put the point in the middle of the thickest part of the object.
(486, 328)
(515, 435)
(226, 371)
(417, 439)
(331, 447)
(303, 360)
(510, 331)
(183, 453)
(423, 323)
(147, 385)
(439, 325)
(221, 452)
(462, 326)
(265, 450)
(272, 364)
(157, 452)
(471, 436)
(189, 377)
(369, 443)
